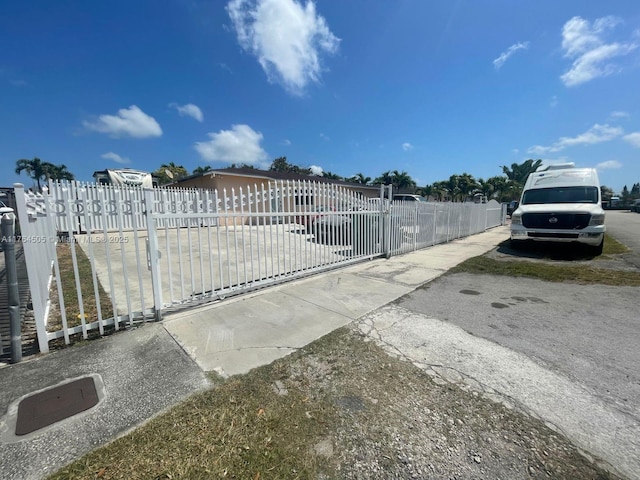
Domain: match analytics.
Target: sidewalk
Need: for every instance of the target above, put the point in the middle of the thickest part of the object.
(242, 333)
(145, 371)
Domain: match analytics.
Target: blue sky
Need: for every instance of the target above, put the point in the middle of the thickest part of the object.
(429, 87)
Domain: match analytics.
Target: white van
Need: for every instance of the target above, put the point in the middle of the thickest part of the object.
(560, 203)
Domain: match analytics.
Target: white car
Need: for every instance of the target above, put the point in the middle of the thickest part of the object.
(4, 209)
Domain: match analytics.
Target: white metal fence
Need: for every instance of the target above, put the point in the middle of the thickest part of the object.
(122, 255)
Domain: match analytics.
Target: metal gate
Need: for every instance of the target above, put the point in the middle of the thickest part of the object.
(103, 257)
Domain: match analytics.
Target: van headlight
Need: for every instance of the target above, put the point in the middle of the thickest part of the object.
(597, 219)
(516, 219)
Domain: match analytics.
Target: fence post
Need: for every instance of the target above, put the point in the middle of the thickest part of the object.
(486, 216)
(153, 253)
(386, 220)
(9, 247)
(435, 223)
(29, 233)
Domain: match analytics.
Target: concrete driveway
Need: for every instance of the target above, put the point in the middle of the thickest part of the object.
(564, 353)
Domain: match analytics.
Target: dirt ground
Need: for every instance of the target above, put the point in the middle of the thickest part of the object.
(395, 422)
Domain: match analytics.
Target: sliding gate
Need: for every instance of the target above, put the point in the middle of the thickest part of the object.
(257, 237)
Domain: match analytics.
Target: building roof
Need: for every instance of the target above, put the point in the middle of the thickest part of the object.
(272, 175)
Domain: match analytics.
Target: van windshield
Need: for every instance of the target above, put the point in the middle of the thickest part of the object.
(561, 195)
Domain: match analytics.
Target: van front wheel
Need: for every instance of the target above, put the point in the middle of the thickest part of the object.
(597, 250)
(516, 244)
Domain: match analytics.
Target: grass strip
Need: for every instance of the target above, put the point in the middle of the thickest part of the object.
(552, 273)
(240, 429)
(70, 292)
(556, 272)
(613, 246)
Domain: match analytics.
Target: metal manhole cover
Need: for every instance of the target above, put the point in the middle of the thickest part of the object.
(50, 406)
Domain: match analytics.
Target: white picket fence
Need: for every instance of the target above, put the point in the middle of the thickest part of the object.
(129, 254)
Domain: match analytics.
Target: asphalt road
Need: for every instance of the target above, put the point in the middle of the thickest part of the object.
(625, 227)
(565, 353)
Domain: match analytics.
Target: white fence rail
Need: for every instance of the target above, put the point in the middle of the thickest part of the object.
(122, 255)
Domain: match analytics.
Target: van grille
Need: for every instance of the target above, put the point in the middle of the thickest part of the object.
(556, 221)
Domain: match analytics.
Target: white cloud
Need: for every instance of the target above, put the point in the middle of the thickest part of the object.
(286, 37)
(241, 144)
(189, 110)
(504, 56)
(596, 134)
(286, 142)
(226, 67)
(554, 102)
(608, 165)
(325, 137)
(316, 170)
(584, 42)
(130, 122)
(619, 115)
(116, 158)
(633, 139)
(407, 146)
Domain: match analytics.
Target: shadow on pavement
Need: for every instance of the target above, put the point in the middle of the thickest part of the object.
(567, 252)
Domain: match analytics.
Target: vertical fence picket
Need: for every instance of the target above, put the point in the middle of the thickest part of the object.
(105, 232)
(72, 202)
(139, 265)
(123, 256)
(250, 200)
(88, 221)
(242, 238)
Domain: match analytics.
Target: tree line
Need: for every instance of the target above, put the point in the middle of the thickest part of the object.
(457, 187)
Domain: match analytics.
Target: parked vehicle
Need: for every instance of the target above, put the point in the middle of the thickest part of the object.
(307, 219)
(5, 209)
(126, 176)
(333, 229)
(512, 206)
(560, 203)
(405, 197)
(635, 206)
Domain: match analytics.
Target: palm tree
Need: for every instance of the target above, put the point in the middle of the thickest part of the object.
(453, 188)
(485, 188)
(360, 178)
(467, 185)
(57, 172)
(385, 179)
(400, 180)
(403, 181)
(280, 164)
(39, 170)
(200, 170)
(427, 191)
(502, 189)
(440, 190)
(33, 168)
(518, 173)
(331, 175)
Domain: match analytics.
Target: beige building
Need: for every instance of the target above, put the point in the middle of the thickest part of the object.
(280, 192)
